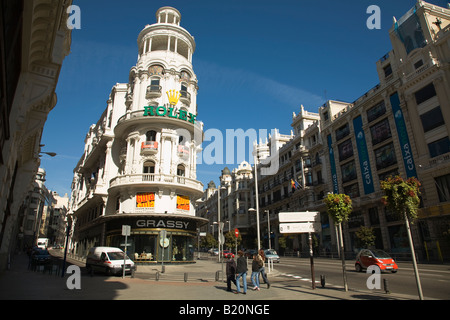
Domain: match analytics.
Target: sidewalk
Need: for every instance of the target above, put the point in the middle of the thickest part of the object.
(21, 283)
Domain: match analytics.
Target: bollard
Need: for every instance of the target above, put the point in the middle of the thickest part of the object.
(217, 275)
(132, 273)
(386, 287)
(185, 277)
(163, 268)
(322, 280)
(157, 276)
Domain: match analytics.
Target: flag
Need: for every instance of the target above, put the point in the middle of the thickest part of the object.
(295, 184)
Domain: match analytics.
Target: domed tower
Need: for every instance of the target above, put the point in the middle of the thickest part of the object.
(156, 138)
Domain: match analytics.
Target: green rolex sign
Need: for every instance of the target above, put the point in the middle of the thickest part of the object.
(162, 111)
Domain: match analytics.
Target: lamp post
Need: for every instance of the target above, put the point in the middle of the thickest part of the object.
(257, 227)
(268, 227)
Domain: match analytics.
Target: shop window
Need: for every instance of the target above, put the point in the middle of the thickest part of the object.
(443, 187)
(380, 131)
(432, 119)
(342, 132)
(385, 175)
(352, 190)
(345, 150)
(376, 111)
(373, 216)
(385, 156)
(439, 147)
(348, 172)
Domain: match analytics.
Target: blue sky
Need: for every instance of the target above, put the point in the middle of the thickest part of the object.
(256, 63)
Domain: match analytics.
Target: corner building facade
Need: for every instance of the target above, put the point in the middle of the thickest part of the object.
(139, 164)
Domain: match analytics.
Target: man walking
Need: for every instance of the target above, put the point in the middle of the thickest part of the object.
(241, 271)
(231, 272)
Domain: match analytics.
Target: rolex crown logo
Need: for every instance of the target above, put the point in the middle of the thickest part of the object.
(173, 96)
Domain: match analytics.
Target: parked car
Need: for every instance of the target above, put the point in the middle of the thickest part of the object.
(249, 253)
(272, 254)
(40, 256)
(227, 253)
(108, 260)
(366, 258)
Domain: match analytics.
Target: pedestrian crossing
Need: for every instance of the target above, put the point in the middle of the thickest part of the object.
(296, 277)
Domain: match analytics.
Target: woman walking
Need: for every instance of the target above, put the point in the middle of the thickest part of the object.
(256, 265)
(262, 270)
(241, 271)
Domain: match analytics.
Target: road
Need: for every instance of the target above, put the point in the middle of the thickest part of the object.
(435, 278)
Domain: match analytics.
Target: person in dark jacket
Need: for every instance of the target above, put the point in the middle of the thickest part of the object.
(262, 270)
(241, 271)
(231, 272)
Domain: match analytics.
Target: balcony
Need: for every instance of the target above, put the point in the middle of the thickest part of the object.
(149, 147)
(157, 180)
(183, 152)
(153, 91)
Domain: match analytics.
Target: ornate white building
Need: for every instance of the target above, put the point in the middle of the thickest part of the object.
(139, 164)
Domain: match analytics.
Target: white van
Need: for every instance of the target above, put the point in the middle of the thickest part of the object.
(108, 260)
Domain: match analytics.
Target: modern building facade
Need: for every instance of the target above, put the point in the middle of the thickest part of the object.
(34, 41)
(139, 163)
(399, 127)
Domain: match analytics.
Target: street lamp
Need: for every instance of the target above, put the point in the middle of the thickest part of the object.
(257, 226)
(268, 227)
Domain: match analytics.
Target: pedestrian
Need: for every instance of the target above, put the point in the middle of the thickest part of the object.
(241, 271)
(255, 271)
(262, 270)
(231, 272)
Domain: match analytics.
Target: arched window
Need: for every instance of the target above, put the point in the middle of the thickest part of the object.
(180, 170)
(150, 135)
(149, 167)
(180, 174)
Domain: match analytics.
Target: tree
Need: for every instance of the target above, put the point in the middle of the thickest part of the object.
(365, 236)
(402, 197)
(339, 208)
(209, 241)
(230, 240)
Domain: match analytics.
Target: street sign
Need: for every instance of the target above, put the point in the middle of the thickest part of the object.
(126, 230)
(307, 216)
(302, 227)
(236, 232)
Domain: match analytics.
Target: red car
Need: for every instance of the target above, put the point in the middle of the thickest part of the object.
(227, 253)
(366, 258)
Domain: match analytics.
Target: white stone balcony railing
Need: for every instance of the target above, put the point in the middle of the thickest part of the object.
(156, 179)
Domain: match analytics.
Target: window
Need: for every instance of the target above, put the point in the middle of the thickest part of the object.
(380, 131)
(149, 167)
(425, 93)
(385, 156)
(352, 191)
(376, 111)
(439, 147)
(443, 187)
(387, 71)
(151, 135)
(342, 132)
(432, 119)
(345, 150)
(390, 173)
(348, 172)
(418, 64)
